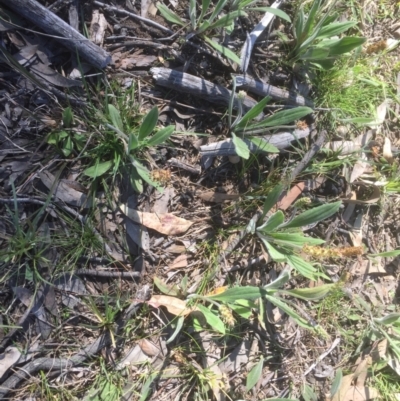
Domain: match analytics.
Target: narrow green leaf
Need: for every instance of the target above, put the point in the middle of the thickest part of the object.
(388, 319)
(178, 328)
(283, 117)
(308, 393)
(315, 53)
(115, 117)
(253, 112)
(313, 215)
(346, 45)
(241, 147)
(387, 254)
(133, 142)
(272, 251)
(271, 200)
(161, 136)
(263, 145)
(145, 174)
(170, 15)
(204, 8)
(212, 319)
(280, 303)
(293, 239)
(235, 293)
(303, 267)
(166, 288)
(255, 374)
(67, 117)
(335, 28)
(192, 13)
(218, 8)
(223, 50)
(274, 221)
(148, 124)
(299, 25)
(227, 19)
(311, 18)
(337, 382)
(276, 11)
(98, 169)
(310, 294)
(68, 146)
(279, 282)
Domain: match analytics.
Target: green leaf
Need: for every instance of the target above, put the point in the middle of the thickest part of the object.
(337, 382)
(280, 303)
(136, 181)
(133, 142)
(148, 124)
(345, 45)
(279, 282)
(166, 288)
(272, 251)
(223, 50)
(68, 117)
(283, 117)
(299, 25)
(324, 64)
(98, 169)
(253, 112)
(178, 328)
(212, 319)
(313, 215)
(115, 117)
(276, 11)
(227, 19)
(274, 221)
(336, 28)
(315, 53)
(235, 293)
(220, 5)
(170, 15)
(311, 18)
(271, 200)
(308, 393)
(388, 319)
(388, 254)
(263, 145)
(192, 13)
(145, 174)
(241, 147)
(243, 308)
(204, 8)
(310, 294)
(161, 136)
(293, 239)
(68, 146)
(255, 374)
(303, 267)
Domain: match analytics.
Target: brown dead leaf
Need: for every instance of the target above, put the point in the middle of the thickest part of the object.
(344, 387)
(164, 223)
(175, 306)
(217, 197)
(359, 393)
(387, 151)
(148, 347)
(178, 263)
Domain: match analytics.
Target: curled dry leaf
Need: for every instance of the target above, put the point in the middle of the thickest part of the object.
(387, 151)
(218, 197)
(175, 306)
(8, 359)
(148, 347)
(164, 223)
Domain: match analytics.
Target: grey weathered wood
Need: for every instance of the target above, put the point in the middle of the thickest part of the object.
(40, 16)
(199, 87)
(226, 147)
(263, 89)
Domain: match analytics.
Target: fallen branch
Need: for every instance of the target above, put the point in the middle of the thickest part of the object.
(263, 89)
(107, 274)
(52, 24)
(226, 147)
(183, 82)
(52, 364)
